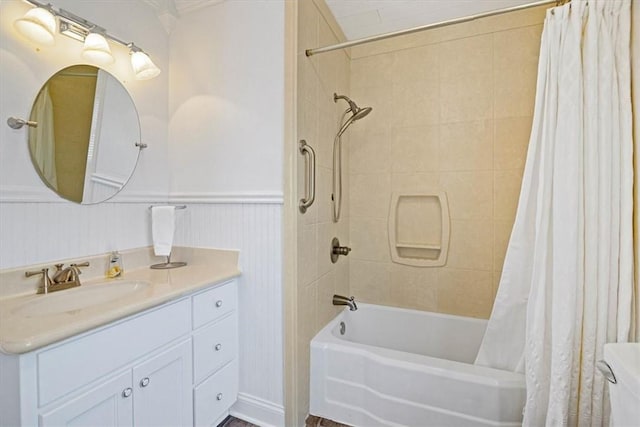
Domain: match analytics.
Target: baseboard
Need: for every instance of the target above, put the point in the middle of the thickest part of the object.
(258, 411)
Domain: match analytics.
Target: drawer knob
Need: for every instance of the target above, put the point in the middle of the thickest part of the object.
(218, 347)
(219, 396)
(219, 303)
(144, 382)
(127, 392)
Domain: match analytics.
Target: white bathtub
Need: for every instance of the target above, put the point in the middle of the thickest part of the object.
(397, 367)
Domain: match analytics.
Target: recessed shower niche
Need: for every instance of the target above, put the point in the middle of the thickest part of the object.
(419, 228)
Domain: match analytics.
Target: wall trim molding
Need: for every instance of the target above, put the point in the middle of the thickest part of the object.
(42, 194)
(257, 411)
(234, 198)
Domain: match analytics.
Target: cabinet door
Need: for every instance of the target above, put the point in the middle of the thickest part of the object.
(162, 389)
(109, 403)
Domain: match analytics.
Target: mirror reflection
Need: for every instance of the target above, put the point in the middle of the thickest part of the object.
(84, 144)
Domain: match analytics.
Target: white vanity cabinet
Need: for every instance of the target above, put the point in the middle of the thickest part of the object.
(156, 392)
(172, 365)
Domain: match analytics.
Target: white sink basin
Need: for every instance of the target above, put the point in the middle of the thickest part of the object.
(71, 300)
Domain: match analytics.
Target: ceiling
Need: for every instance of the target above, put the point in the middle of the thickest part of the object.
(362, 18)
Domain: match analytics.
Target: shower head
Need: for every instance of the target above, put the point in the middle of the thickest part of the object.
(360, 113)
(356, 112)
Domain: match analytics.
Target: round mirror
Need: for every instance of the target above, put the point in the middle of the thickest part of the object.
(84, 144)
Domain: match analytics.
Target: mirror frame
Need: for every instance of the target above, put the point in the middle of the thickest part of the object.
(136, 140)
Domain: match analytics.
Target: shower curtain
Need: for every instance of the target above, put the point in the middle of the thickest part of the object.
(566, 286)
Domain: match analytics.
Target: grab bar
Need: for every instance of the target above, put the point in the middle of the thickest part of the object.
(310, 194)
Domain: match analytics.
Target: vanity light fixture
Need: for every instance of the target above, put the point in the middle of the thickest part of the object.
(143, 66)
(39, 26)
(96, 48)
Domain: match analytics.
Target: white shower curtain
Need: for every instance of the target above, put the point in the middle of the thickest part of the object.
(566, 286)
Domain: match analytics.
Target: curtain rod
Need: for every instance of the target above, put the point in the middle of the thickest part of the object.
(377, 37)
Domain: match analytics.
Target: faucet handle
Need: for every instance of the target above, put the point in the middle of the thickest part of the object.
(59, 266)
(46, 281)
(81, 264)
(76, 270)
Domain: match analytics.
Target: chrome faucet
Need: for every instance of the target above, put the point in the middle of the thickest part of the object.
(340, 300)
(63, 278)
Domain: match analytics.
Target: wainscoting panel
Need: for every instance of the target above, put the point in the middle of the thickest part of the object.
(33, 233)
(255, 230)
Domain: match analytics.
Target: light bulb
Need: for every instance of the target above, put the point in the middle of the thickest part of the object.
(143, 66)
(38, 25)
(96, 49)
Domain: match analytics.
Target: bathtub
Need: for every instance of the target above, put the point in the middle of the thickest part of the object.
(398, 367)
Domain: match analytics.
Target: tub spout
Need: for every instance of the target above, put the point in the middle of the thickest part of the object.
(350, 301)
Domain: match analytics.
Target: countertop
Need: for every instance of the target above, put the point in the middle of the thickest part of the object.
(20, 333)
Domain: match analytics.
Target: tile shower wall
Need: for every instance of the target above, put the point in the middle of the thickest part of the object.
(317, 114)
(452, 109)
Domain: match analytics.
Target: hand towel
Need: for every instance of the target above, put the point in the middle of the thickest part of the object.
(162, 229)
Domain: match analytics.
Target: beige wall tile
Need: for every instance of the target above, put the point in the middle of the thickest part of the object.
(466, 98)
(470, 194)
(369, 281)
(308, 17)
(414, 287)
(370, 240)
(515, 71)
(415, 103)
(369, 152)
(466, 146)
(306, 316)
(369, 195)
(323, 194)
(507, 191)
(471, 245)
(450, 84)
(342, 277)
(511, 142)
(327, 61)
(465, 292)
(307, 254)
(324, 143)
(326, 232)
(417, 182)
(419, 63)
(466, 56)
(372, 70)
(325, 310)
(318, 78)
(468, 29)
(414, 149)
(307, 82)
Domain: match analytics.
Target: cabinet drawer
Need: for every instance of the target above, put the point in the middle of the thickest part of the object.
(215, 345)
(214, 303)
(215, 395)
(67, 367)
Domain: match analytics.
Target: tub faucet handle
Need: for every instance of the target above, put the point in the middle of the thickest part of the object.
(337, 250)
